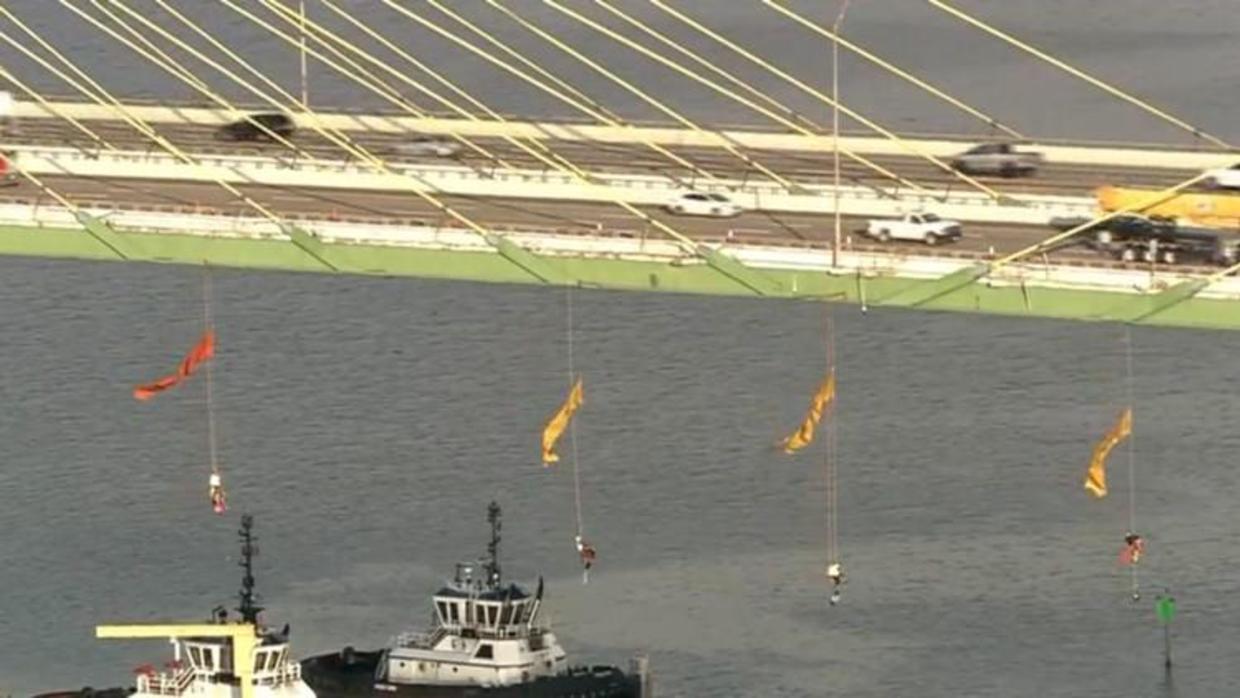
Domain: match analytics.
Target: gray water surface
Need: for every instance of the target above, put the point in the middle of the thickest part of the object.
(368, 422)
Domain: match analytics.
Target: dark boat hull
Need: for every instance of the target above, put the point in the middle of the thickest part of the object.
(89, 693)
(351, 674)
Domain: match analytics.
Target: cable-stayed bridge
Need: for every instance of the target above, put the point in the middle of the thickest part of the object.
(580, 200)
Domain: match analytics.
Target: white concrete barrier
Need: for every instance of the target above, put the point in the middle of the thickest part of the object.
(902, 264)
(641, 190)
(1164, 158)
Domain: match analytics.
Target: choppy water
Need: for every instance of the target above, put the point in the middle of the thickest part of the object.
(368, 422)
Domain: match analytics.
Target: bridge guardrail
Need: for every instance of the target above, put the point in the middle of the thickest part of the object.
(448, 179)
(665, 135)
(868, 260)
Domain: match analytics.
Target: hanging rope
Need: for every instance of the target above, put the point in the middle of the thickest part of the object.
(215, 484)
(834, 569)
(585, 550)
(572, 427)
(1132, 460)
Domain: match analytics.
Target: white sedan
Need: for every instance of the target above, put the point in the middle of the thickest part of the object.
(701, 204)
(1223, 178)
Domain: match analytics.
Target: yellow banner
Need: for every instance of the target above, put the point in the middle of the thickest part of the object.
(1096, 477)
(559, 422)
(804, 434)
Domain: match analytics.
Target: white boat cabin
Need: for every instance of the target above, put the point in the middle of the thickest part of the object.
(484, 634)
(204, 667)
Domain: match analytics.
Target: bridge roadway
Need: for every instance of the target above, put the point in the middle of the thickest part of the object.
(806, 166)
(508, 214)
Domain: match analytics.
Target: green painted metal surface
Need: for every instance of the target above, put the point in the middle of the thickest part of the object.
(110, 239)
(754, 280)
(1177, 307)
(1144, 308)
(917, 294)
(534, 265)
(311, 245)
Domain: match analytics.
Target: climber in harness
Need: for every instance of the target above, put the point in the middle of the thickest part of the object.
(588, 555)
(215, 488)
(1134, 548)
(836, 574)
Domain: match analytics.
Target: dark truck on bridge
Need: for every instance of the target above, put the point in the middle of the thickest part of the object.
(1132, 238)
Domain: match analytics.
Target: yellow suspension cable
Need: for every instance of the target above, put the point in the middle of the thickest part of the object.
(215, 43)
(891, 68)
(290, 17)
(54, 110)
(43, 62)
(596, 109)
(72, 207)
(1109, 89)
(162, 60)
(705, 63)
(754, 58)
(538, 148)
(724, 91)
(576, 104)
(691, 245)
(1141, 205)
(610, 75)
(170, 65)
(520, 58)
(559, 162)
(239, 60)
(334, 135)
(227, 52)
(124, 113)
(389, 92)
(165, 61)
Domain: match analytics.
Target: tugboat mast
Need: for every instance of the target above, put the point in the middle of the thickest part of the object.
(492, 564)
(249, 608)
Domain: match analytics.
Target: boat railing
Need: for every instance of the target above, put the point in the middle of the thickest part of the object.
(166, 684)
(419, 639)
(286, 674)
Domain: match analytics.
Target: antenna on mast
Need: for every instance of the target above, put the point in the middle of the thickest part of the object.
(492, 564)
(249, 608)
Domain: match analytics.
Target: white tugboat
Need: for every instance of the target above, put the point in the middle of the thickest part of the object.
(217, 659)
(485, 641)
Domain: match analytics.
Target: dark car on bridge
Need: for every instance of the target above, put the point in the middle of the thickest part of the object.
(248, 129)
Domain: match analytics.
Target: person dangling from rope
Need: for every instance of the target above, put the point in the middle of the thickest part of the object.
(836, 574)
(1134, 548)
(588, 554)
(215, 489)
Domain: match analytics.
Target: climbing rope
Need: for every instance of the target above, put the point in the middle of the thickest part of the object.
(585, 550)
(572, 427)
(215, 484)
(1132, 468)
(834, 570)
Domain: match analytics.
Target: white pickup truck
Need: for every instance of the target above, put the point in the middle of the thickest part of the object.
(925, 227)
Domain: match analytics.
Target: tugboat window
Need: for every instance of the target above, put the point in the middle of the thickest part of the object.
(453, 607)
(506, 615)
(484, 652)
(443, 610)
(491, 615)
